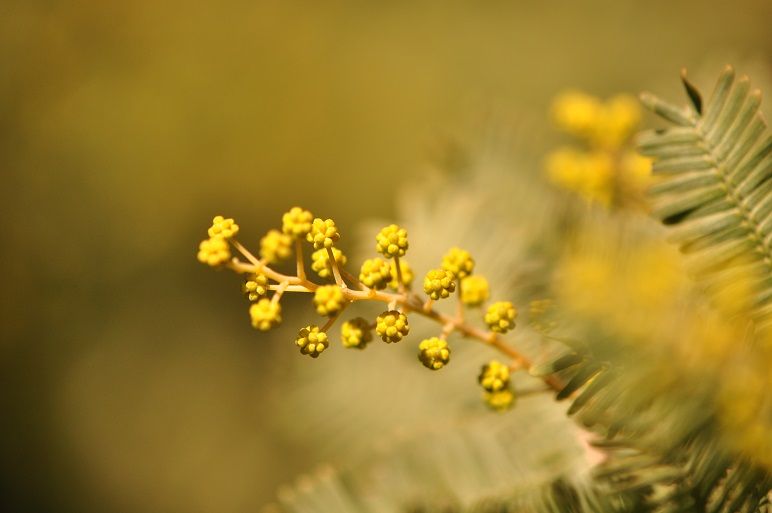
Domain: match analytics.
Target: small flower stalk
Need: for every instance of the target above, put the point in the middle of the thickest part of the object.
(386, 279)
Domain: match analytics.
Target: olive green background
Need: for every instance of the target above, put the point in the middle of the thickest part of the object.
(129, 376)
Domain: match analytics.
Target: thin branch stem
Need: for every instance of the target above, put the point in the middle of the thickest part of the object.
(279, 292)
(408, 302)
(334, 318)
(353, 279)
(301, 263)
(398, 271)
(335, 269)
(460, 303)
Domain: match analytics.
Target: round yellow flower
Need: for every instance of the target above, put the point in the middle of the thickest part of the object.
(312, 341)
(296, 222)
(459, 262)
(391, 241)
(256, 286)
(474, 290)
(323, 233)
(356, 333)
(265, 314)
(214, 251)
(329, 300)
(434, 353)
(392, 326)
(375, 273)
(576, 112)
(439, 283)
(499, 401)
(275, 246)
(500, 316)
(221, 227)
(494, 376)
(320, 261)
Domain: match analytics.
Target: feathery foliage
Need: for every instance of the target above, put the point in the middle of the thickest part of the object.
(650, 432)
(714, 190)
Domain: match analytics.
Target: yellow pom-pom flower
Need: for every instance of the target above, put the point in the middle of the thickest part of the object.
(214, 251)
(256, 286)
(459, 262)
(439, 283)
(474, 290)
(275, 246)
(392, 326)
(576, 112)
(312, 341)
(222, 227)
(375, 273)
(500, 316)
(296, 222)
(323, 233)
(265, 314)
(617, 120)
(591, 174)
(356, 333)
(329, 300)
(494, 376)
(391, 241)
(434, 353)
(499, 401)
(320, 261)
(407, 274)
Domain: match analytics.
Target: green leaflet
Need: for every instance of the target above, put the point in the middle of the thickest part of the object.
(713, 185)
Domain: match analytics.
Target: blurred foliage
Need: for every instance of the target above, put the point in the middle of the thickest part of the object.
(130, 379)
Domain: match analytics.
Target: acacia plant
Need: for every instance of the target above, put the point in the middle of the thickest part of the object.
(657, 335)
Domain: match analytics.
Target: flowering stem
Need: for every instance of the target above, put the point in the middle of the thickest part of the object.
(409, 303)
(335, 269)
(279, 292)
(301, 264)
(460, 303)
(334, 318)
(353, 279)
(398, 270)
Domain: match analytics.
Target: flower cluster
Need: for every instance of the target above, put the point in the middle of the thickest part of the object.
(320, 261)
(265, 314)
(606, 170)
(275, 246)
(494, 378)
(459, 262)
(356, 333)
(329, 300)
(214, 251)
(474, 290)
(375, 273)
(434, 353)
(406, 273)
(312, 341)
(323, 233)
(297, 222)
(222, 227)
(391, 241)
(265, 286)
(256, 286)
(392, 326)
(439, 283)
(500, 316)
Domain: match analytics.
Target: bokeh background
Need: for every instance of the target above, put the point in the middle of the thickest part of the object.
(129, 376)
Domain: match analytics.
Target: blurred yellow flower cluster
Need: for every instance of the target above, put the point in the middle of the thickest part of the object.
(629, 291)
(746, 408)
(605, 169)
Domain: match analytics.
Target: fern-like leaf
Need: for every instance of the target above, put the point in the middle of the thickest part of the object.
(714, 189)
